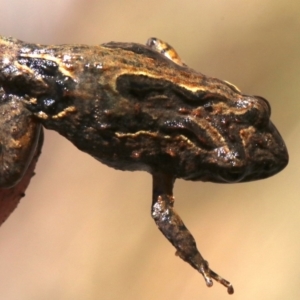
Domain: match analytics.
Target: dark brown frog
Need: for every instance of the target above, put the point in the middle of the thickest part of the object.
(136, 107)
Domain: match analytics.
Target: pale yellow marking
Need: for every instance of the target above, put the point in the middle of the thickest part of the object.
(153, 134)
(42, 115)
(23, 68)
(141, 132)
(232, 85)
(245, 133)
(33, 101)
(154, 76)
(65, 112)
(187, 140)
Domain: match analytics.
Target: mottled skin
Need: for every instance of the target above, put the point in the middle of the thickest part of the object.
(136, 107)
(10, 197)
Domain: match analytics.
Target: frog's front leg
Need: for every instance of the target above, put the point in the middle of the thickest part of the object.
(173, 228)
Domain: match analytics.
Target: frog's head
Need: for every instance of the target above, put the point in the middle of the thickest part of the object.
(253, 148)
(209, 133)
(200, 128)
(230, 140)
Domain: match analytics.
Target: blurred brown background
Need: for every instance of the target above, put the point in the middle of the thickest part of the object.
(84, 231)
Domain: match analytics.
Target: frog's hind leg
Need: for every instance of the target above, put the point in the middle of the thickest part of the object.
(173, 228)
(10, 197)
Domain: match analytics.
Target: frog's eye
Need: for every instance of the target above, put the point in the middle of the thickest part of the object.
(266, 103)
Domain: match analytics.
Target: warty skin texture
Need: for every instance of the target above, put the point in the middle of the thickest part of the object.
(136, 107)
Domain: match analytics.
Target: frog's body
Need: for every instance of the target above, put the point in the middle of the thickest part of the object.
(136, 107)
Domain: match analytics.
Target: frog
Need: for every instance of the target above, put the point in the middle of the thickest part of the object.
(136, 107)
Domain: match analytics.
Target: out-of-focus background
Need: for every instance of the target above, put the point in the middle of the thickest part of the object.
(84, 231)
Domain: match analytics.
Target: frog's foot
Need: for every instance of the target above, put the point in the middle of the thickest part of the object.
(212, 275)
(165, 49)
(171, 225)
(209, 274)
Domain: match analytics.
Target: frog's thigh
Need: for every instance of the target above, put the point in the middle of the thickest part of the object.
(19, 136)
